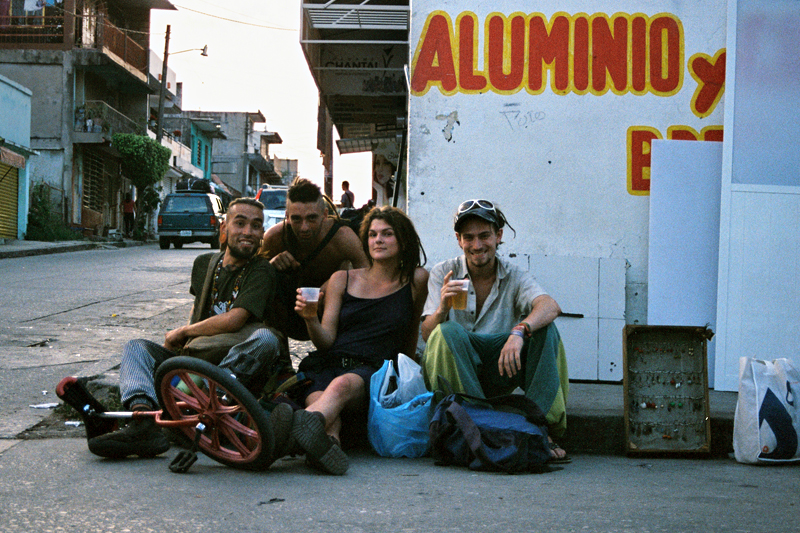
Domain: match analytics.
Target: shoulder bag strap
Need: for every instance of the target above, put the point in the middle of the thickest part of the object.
(472, 435)
(201, 303)
(323, 243)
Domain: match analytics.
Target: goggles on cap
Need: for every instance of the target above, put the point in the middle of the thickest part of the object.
(480, 208)
(469, 205)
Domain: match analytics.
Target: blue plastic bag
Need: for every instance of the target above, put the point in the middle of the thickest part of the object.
(400, 431)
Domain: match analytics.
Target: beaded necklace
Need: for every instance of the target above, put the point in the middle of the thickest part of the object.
(219, 307)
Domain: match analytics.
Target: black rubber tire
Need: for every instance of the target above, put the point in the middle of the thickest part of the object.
(238, 431)
(163, 243)
(214, 242)
(178, 244)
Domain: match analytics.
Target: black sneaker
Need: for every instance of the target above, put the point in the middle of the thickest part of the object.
(281, 417)
(321, 451)
(140, 437)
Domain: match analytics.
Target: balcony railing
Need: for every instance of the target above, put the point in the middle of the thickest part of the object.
(32, 30)
(121, 45)
(96, 116)
(93, 31)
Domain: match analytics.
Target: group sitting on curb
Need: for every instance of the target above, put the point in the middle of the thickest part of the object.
(375, 297)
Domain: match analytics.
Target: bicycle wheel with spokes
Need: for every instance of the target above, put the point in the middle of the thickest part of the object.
(237, 430)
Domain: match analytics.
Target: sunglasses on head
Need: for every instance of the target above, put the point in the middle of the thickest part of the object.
(469, 205)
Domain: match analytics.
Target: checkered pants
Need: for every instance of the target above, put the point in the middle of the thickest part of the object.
(140, 359)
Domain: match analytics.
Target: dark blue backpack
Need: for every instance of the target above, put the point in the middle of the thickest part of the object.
(505, 433)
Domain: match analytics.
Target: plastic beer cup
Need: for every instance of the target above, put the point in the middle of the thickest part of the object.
(459, 301)
(311, 296)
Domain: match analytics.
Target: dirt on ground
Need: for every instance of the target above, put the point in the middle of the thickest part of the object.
(65, 422)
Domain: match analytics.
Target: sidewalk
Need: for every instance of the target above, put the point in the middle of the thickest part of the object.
(10, 248)
(595, 410)
(595, 420)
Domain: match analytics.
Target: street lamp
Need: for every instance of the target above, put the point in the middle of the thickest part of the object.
(203, 51)
(161, 92)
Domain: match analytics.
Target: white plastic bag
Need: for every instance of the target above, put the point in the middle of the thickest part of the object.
(408, 383)
(767, 421)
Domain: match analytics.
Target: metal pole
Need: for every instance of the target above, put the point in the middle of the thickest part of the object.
(399, 171)
(161, 92)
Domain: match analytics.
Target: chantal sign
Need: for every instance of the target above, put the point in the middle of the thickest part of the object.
(550, 109)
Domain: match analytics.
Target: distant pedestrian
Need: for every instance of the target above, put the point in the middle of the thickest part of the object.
(129, 214)
(348, 197)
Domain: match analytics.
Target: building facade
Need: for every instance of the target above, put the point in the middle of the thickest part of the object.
(577, 120)
(239, 154)
(357, 53)
(86, 64)
(15, 151)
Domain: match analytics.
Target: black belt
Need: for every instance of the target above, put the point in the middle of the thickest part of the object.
(349, 362)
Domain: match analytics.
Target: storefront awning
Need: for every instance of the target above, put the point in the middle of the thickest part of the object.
(11, 158)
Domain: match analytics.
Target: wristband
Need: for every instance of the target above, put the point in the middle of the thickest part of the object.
(520, 330)
(526, 327)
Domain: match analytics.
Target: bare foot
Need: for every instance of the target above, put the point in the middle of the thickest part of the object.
(557, 453)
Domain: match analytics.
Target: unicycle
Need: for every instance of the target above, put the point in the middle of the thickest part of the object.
(204, 402)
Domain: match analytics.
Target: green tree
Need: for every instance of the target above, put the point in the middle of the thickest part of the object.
(144, 162)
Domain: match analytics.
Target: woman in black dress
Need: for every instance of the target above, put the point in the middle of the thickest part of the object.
(371, 314)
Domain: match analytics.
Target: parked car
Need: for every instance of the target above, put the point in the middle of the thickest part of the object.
(274, 199)
(189, 216)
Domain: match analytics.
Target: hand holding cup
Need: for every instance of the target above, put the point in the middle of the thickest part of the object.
(459, 299)
(307, 301)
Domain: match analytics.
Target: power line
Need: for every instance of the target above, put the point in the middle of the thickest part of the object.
(223, 8)
(235, 21)
(99, 20)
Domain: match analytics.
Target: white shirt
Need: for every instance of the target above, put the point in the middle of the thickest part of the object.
(509, 301)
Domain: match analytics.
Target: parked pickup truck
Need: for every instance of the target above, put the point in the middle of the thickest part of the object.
(189, 216)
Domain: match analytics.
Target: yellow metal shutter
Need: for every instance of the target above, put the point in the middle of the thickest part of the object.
(8, 201)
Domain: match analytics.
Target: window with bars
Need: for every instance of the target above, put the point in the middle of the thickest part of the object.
(93, 181)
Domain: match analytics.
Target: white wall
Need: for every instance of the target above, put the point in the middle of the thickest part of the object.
(559, 162)
(758, 307)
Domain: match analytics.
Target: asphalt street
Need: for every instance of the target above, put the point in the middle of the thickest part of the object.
(71, 313)
(57, 485)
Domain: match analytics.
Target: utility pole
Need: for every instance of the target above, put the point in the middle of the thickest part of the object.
(162, 92)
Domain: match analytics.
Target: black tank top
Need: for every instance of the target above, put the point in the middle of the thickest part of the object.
(374, 329)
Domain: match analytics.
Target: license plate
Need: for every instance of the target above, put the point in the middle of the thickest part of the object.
(186, 233)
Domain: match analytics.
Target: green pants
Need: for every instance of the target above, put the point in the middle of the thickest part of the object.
(469, 362)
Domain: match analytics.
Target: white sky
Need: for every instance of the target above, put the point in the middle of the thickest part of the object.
(251, 68)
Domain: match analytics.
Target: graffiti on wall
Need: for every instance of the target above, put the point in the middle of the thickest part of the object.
(580, 54)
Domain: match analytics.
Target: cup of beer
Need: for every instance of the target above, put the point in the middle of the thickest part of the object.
(311, 296)
(459, 301)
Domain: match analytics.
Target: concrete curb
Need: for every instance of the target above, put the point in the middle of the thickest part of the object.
(590, 431)
(29, 249)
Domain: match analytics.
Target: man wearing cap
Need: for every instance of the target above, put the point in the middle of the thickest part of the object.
(505, 338)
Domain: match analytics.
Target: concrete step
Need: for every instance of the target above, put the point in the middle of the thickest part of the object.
(596, 420)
